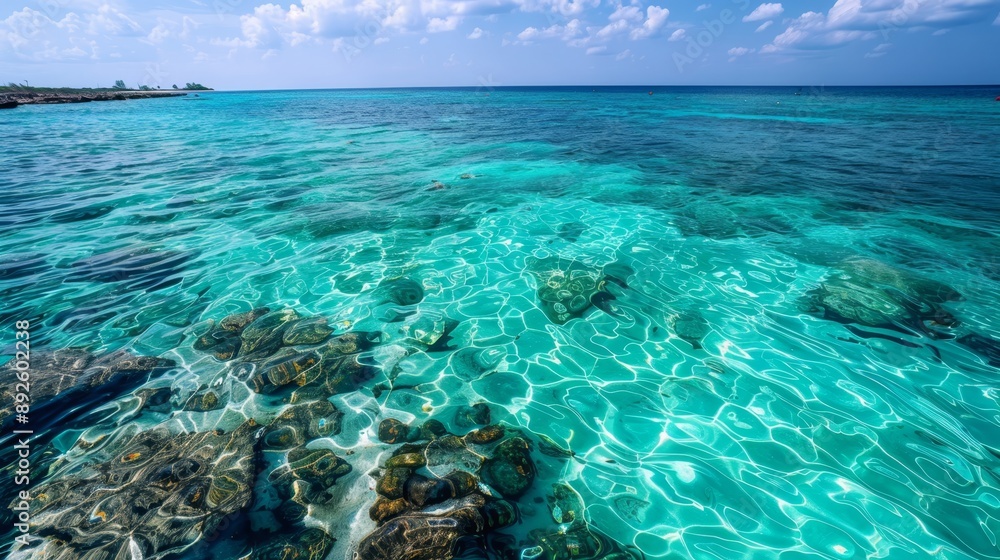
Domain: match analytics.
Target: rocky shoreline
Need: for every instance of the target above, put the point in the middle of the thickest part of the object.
(13, 99)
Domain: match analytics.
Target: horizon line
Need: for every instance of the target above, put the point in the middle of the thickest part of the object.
(500, 87)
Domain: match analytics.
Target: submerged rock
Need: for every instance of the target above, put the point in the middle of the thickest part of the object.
(391, 430)
(308, 475)
(72, 371)
(568, 288)
(913, 286)
(710, 220)
(401, 291)
(571, 231)
(631, 507)
(449, 453)
(265, 335)
(579, 542)
(468, 416)
(510, 470)
(307, 544)
(565, 504)
(846, 302)
(469, 364)
(224, 340)
(486, 434)
(849, 300)
(691, 327)
(436, 533)
(159, 494)
(565, 287)
(442, 517)
(302, 423)
(313, 330)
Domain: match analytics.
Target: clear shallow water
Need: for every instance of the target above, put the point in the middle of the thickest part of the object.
(778, 433)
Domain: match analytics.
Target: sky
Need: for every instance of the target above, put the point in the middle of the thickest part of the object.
(256, 44)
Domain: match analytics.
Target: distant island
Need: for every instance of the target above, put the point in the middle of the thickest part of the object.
(12, 94)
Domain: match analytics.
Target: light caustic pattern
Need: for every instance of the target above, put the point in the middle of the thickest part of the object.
(737, 388)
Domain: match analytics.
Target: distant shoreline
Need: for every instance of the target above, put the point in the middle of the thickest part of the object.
(11, 97)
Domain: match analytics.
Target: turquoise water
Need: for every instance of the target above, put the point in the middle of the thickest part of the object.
(717, 405)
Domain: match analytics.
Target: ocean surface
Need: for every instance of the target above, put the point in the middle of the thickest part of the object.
(751, 322)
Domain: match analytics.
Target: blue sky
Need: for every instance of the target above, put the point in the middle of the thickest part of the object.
(254, 44)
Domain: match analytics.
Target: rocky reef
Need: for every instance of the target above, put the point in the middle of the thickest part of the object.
(870, 293)
(67, 373)
(263, 488)
(12, 99)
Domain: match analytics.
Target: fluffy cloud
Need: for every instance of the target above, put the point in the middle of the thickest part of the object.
(764, 26)
(880, 50)
(438, 25)
(565, 32)
(344, 21)
(271, 24)
(36, 36)
(702, 7)
(655, 18)
(852, 20)
(678, 35)
(623, 55)
(739, 51)
(159, 33)
(765, 11)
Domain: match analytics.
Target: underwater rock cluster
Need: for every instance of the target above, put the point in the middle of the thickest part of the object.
(568, 288)
(873, 294)
(422, 515)
(280, 352)
(159, 493)
(68, 373)
(864, 292)
(438, 495)
(442, 496)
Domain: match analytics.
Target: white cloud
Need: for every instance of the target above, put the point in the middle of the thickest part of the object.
(623, 55)
(765, 11)
(438, 25)
(852, 20)
(880, 50)
(764, 26)
(610, 30)
(597, 50)
(35, 36)
(424, 40)
(702, 7)
(158, 34)
(529, 34)
(940, 32)
(564, 7)
(476, 33)
(628, 13)
(997, 21)
(565, 32)
(655, 18)
(678, 35)
(736, 52)
(381, 40)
